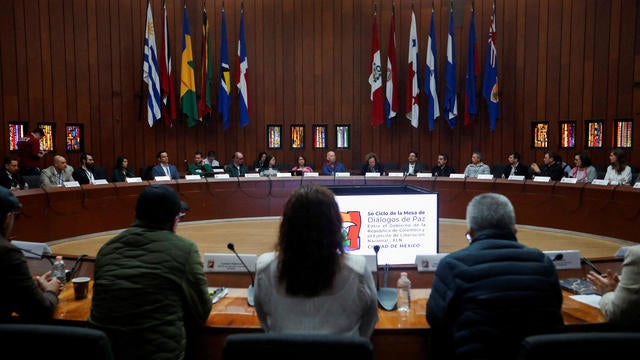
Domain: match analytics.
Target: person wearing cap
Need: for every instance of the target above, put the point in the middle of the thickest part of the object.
(32, 300)
(150, 286)
(29, 152)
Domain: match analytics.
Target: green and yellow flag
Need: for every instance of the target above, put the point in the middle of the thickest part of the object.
(187, 76)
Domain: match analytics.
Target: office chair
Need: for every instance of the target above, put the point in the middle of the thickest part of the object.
(296, 346)
(579, 345)
(36, 341)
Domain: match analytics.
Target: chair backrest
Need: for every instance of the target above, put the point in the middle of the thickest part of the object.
(576, 345)
(296, 346)
(33, 181)
(36, 341)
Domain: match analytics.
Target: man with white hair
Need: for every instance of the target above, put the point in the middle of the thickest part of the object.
(490, 295)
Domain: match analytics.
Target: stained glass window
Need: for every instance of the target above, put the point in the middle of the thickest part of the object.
(567, 134)
(47, 142)
(16, 132)
(342, 136)
(297, 136)
(274, 136)
(319, 136)
(74, 137)
(594, 134)
(540, 136)
(624, 133)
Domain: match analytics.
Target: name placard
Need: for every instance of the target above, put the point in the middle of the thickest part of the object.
(516, 177)
(485, 177)
(71, 184)
(342, 174)
(565, 259)
(372, 174)
(283, 174)
(218, 262)
(100, 182)
(425, 175)
(32, 250)
(542, 178)
(600, 182)
(457, 176)
(312, 174)
(429, 262)
(133, 180)
(221, 176)
(636, 185)
(252, 175)
(162, 178)
(218, 170)
(192, 177)
(568, 180)
(396, 174)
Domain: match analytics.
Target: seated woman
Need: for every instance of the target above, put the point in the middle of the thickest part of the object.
(618, 172)
(271, 169)
(310, 284)
(302, 165)
(261, 162)
(583, 171)
(372, 165)
(122, 170)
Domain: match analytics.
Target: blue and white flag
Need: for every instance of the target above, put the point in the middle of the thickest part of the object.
(431, 80)
(243, 75)
(450, 95)
(150, 73)
(413, 107)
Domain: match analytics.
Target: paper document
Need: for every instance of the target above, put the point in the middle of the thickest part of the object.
(591, 300)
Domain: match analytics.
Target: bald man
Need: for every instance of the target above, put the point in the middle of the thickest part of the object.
(56, 174)
(332, 166)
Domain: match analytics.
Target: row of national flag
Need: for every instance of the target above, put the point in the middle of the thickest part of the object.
(385, 112)
(159, 77)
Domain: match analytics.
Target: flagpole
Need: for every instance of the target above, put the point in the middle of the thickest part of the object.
(142, 97)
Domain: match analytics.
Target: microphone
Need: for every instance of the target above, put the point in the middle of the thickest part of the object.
(387, 297)
(76, 266)
(251, 290)
(333, 170)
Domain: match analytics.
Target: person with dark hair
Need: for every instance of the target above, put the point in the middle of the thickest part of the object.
(619, 173)
(10, 178)
(271, 167)
(413, 166)
(86, 173)
(29, 153)
(475, 309)
(164, 168)
(236, 168)
(199, 166)
(515, 167)
(310, 284)
(150, 289)
(56, 174)
(442, 167)
(301, 165)
(33, 300)
(476, 167)
(211, 159)
(583, 171)
(551, 168)
(122, 170)
(372, 165)
(261, 162)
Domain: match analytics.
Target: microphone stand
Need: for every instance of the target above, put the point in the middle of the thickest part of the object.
(251, 290)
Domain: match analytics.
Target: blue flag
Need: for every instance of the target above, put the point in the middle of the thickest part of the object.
(490, 83)
(450, 96)
(470, 103)
(243, 75)
(225, 76)
(430, 79)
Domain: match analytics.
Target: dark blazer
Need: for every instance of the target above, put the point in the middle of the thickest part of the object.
(119, 176)
(233, 171)
(82, 178)
(16, 180)
(159, 171)
(521, 169)
(445, 171)
(378, 168)
(554, 171)
(419, 167)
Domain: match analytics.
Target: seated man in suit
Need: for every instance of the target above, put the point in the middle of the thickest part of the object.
(56, 174)
(10, 177)
(236, 168)
(442, 168)
(199, 166)
(164, 168)
(413, 166)
(515, 167)
(86, 173)
(487, 297)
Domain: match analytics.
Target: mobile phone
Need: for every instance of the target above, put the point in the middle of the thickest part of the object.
(590, 264)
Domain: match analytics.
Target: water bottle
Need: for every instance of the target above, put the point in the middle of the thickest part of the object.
(58, 270)
(404, 292)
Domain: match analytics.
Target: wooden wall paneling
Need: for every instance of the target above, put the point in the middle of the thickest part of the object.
(553, 76)
(542, 43)
(113, 86)
(520, 94)
(331, 97)
(531, 73)
(8, 63)
(70, 70)
(82, 79)
(22, 85)
(601, 65)
(576, 71)
(45, 50)
(566, 21)
(613, 62)
(282, 79)
(636, 83)
(33, 65)
(105, 68)
(626, 32)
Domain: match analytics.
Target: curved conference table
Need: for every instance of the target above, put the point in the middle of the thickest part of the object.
(60, 213)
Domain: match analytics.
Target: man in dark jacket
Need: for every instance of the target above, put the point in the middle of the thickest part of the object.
(487, 297)
(150, 286)
(552, 167)
(515, 167)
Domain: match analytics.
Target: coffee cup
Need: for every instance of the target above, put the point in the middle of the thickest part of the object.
(81, 287)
